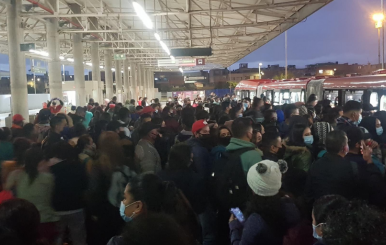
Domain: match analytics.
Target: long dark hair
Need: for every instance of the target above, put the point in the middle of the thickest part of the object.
(296, 135)
(369, 124)
(32, 158)
(271, 210)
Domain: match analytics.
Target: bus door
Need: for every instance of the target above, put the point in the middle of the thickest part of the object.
(285, 97)
(295, 95)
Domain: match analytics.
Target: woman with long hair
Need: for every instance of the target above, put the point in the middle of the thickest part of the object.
(107, 180)
(38, 188)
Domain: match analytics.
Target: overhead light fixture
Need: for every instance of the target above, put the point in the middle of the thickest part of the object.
(70, 59)
(101, 67)
(172, 57)
(112, 69)
(142, 15)
(163, 45)
(182, 71)
(61, 57)
(157, 36)
(89, 63)
(121, 71)
(39, 52)
(129, 67)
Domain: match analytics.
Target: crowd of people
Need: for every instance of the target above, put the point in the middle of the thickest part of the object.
(215, 170)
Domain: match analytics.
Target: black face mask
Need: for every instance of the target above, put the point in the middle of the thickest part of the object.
(280, 153)
(224, 141)
(207, 141)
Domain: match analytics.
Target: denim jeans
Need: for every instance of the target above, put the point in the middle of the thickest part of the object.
(76, 226)
(208, 225)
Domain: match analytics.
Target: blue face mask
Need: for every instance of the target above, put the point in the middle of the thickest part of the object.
(360, 119)
(316, 236)
(245, 106)
(308, 140)
(379, 131)
(122, 212)
(240, 115)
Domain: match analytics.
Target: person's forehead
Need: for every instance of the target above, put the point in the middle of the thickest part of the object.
(224, 131)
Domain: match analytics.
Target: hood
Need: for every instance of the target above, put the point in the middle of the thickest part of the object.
(194, 142)
(237, 144)
(218, 149)
(294, 149)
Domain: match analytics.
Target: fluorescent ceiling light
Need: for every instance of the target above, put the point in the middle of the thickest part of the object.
(101, 67)
(163, 45)
(129, 67)
(61, 57)
(157, 36)
(143, 15)
(89, 63)
(172, 57)
(113, 69)
(182, 71)
(39, 52)
(70, 59)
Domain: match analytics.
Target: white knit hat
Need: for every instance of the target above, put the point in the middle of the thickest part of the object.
(264, 178)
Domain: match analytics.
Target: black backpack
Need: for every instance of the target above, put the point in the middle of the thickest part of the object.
(229, 183)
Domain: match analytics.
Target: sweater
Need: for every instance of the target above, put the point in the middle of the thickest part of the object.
(248, 158)
(298, 157)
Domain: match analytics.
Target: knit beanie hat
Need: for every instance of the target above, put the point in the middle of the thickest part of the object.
(264, 178)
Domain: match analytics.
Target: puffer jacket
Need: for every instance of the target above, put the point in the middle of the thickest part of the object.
(297, 156)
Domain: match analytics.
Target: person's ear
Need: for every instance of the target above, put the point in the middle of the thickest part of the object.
(138, 207)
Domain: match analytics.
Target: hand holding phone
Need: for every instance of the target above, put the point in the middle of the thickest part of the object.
(238, 214)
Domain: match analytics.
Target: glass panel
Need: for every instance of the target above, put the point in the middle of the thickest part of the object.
(353, 95)
(382, 106)
(302, 96)
(331, 95)
(295, 97)
(276, 98)
(374, 99)
(252, 94)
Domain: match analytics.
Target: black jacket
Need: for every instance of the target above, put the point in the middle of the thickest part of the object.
(70, 184)
(333, 174)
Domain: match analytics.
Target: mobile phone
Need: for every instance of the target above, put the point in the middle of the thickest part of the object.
(238, 214)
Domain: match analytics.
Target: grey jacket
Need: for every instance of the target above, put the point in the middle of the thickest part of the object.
(147, 157)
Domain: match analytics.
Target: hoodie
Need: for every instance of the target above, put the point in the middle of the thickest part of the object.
(248, 158)
(183, 136)
(297, 156)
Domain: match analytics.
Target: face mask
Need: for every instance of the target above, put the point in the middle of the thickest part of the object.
(308, 140)
(156, 111)
(207, 140)
(280, 153)
(245, 106)
(240, 115)
(379, 130)
(122, 212)
(359, 119)
(225, 141)
(316, 236)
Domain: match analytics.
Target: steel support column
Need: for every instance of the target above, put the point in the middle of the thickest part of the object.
(126, 79)
(109, 75)
(54, 66)
(19, 93)
(96, 72)
(118, 79)
(133, 83)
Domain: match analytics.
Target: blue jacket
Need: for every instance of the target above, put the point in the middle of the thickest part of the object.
(256, 230)
(202, 163)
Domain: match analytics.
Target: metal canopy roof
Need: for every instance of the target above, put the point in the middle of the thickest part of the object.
(233, 28)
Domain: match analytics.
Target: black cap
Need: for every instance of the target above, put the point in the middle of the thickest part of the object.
(146, 128)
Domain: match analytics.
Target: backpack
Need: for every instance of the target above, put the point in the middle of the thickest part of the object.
(228, 181)
(119, 180)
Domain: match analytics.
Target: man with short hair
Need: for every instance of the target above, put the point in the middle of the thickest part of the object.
(333, 174)
(147, 156)
(201, 143)
(272, 146)
(352, 115)
(131, 106)
(17, 126)
(78, 117)
(57, 125)
(186, 132)
(242, 138)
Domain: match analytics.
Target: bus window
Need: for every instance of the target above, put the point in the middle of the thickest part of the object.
(285, 98)
(269, 95)
(252, 94)
(302, 96)
(354, 95)
(382, 106)
(276, 100)
(331, 95)
(295, 97)
(374, 99)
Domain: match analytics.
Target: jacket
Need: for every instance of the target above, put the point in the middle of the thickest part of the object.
(256, 231)
(248, 158)
(191, 184)
(343, 123)
(333, 174)
(183, 136)
(148, 158)
(202, 163)
(216, 152)
(297, 156)
(70, 185)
